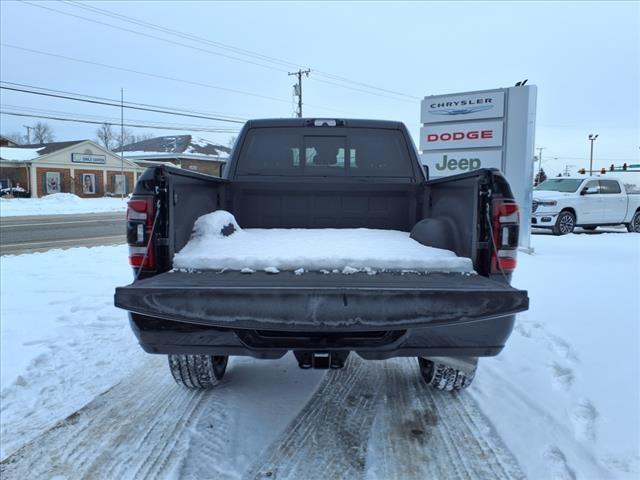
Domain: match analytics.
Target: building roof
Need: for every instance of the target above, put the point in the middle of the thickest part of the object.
(176, 144)
(34, 152)
(25, 153)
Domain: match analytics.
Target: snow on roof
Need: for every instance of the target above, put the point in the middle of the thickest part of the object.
(143, 155)
(185, 144)
(14, 154)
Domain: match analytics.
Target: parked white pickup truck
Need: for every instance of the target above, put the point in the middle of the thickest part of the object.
(562, 204)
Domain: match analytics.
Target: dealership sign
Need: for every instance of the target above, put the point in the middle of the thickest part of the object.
(463, 132)
(453, 162)
(88, 158)
(461, 135)
(463, 107)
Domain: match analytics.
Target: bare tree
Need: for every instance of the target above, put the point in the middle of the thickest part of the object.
(42, 133)
(232, 142)
(15, 137)
(106, 136)
(125, 138)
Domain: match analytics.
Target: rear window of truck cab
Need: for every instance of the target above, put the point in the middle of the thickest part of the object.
(325, 152)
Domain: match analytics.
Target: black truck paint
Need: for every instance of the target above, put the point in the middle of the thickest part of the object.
(377, 316)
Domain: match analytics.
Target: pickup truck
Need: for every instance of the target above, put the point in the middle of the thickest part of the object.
(562, 204)
(324, 174)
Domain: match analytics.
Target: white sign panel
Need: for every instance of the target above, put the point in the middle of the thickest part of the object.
(453, 108)
(88, 158)
(461, 135)
(453, 162)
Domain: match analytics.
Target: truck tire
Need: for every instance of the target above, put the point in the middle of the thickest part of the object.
(634, 226)
(198, 371)
(565, 223)
(443, 377)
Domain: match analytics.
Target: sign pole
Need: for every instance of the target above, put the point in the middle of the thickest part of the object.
(122, 143)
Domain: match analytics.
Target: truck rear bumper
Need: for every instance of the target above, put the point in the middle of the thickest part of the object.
(480, 338)
(378, 316)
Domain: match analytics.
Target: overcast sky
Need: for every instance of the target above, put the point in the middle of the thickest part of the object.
(584, 58)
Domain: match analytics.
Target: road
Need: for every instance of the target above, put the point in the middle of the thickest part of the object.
(44, 232)
(372, 420)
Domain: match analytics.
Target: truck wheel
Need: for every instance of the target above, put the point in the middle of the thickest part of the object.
(443, 377)
(565, 223)
(634, 226)
(198, 371)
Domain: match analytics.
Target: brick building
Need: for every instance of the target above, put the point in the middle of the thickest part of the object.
(185, 151)
(81, 167)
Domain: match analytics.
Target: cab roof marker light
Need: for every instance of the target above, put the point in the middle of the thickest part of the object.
(324, 123)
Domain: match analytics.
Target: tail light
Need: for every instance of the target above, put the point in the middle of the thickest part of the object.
(139, 227)
(506, 228)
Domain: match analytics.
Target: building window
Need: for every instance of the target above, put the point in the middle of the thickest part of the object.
(52, 182)
(88, 183)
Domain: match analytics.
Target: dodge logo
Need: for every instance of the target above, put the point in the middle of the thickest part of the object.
(453, 136)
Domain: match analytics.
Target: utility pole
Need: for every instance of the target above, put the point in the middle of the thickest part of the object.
(28, 133)
(298, 88)
(592, 138)
(540, 162)
(124, 180)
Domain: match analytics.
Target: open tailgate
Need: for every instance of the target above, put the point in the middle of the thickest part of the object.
(316, 301)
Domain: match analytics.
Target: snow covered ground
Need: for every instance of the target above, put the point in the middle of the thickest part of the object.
(60, 204)
(295, 249)
(562, 401)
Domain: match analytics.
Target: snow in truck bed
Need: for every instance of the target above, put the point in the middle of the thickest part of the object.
(218, 242)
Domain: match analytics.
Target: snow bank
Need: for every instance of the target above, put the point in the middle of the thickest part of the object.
(60, 204)
(564, 394)
(219, 243)
(62, 341)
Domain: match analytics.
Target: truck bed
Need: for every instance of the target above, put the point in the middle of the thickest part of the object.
(317, 301)
(308, 249)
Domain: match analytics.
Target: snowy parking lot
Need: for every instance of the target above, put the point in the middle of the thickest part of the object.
(81, 400)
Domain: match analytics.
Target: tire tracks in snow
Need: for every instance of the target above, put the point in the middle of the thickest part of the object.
(379, 420)
(137, 429)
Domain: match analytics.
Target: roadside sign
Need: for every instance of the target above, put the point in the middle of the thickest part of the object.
(460, 161)
(468, 106)
(461, 135)
(462, 132)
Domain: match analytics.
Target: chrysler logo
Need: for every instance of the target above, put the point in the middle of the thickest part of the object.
(460, 111)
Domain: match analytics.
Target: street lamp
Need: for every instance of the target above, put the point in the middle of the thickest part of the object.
(592, 138)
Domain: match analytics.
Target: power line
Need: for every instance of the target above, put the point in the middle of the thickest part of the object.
(103, 118)
(138, 72)
(228, 47)
(111, 104)
(219, 45)
(97, 122)
(155, 75)
(135, 32)
(129, 102)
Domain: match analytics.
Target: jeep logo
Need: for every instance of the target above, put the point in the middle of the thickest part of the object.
(464, 164)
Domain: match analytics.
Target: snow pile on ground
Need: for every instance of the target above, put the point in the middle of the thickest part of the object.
(219, 243)
(62, 341)
(60, 204)
(564, 394)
